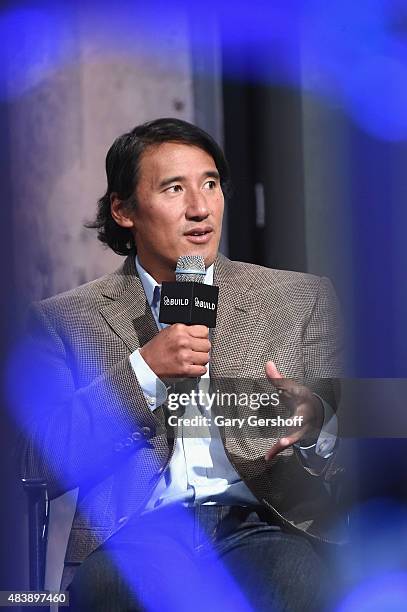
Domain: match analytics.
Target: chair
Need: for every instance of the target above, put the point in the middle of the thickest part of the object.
(38, 519)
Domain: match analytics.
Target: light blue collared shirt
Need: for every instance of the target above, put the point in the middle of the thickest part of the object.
(199, 471)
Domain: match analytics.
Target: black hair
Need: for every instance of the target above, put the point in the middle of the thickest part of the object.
(122, 169)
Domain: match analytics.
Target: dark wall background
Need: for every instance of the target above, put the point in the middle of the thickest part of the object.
(263, 144)
(315, 130)
(332, 202)
(264, 129)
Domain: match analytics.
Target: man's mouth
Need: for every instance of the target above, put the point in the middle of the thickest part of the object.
(199, 231)
(200, 235)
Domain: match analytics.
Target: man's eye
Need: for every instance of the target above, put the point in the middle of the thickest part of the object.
(174, 189)
(210, 184)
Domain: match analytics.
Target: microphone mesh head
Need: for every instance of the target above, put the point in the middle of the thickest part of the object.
(190, 269)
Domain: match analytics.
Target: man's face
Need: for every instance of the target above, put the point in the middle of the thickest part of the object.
(179, 207)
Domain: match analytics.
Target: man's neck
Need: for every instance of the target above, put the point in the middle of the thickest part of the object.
(159, 274)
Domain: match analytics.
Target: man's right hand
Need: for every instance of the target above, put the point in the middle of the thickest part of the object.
(178, 351)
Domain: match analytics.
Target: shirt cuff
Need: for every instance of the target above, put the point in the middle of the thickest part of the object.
(325, 444)
(153, 387)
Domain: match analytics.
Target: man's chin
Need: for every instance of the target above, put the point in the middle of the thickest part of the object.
(209, 258)
(209, 255)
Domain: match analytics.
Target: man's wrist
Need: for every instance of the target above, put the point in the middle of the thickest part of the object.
(312, 436)
(153, 387)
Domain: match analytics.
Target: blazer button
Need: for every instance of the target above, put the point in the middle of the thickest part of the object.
(136, 435)
(128, 442)
(146, 431)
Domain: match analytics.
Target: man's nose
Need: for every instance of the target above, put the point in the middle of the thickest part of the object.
(197, 206)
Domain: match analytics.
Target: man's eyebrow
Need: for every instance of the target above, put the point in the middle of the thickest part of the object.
(212, 174)
(172, 179)
(178, 179)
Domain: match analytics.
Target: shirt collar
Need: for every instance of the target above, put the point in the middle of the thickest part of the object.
(149, 284)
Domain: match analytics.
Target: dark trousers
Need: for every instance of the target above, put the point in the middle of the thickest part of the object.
(204, 558)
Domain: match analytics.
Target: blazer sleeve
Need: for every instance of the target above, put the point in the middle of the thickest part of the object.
(323, 351)
(73, 436)
(323, 335)
(323, 345)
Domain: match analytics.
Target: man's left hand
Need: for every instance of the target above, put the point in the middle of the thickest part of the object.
(303, 403)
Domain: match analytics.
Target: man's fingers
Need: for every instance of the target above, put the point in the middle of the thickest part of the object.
(272, 371)
(198, 331)
(195, 371)
(281, 444)
(199, 358)
(281, 384)
(200, 345)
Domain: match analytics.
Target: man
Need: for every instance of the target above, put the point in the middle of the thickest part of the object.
(97, 400)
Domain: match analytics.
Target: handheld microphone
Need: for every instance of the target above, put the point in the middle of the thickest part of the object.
(189, 300)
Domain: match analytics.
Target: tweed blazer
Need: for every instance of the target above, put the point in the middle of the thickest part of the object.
(87, 422)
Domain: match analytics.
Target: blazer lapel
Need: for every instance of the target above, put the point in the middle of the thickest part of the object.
(235, 323)
(129, 313)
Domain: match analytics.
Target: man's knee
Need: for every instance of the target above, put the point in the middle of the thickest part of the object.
(303, 578)
(99, 585)
(280, 572)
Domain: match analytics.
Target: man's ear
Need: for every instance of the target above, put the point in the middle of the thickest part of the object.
(120, 213)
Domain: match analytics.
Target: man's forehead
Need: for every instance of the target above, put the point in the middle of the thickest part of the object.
(175, 159)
